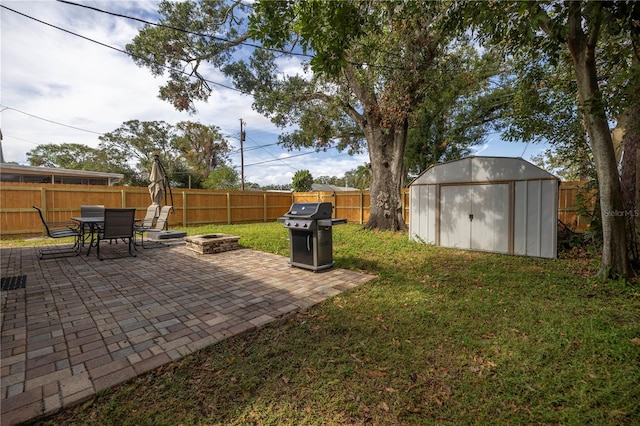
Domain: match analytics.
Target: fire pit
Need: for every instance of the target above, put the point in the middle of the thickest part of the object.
(212, 243)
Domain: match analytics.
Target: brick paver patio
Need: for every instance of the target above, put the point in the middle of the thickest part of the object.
(81, 325)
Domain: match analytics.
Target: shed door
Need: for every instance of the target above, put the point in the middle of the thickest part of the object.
(475, 217)
(455, 207)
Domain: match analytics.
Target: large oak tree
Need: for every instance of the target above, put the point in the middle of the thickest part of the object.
(369, 63)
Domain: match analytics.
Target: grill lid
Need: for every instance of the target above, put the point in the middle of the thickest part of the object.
(310, 211)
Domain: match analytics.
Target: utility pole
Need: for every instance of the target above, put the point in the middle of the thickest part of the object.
(242, 138)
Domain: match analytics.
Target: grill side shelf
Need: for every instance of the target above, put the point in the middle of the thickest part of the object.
(331, 222)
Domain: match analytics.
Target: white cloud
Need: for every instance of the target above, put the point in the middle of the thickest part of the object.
(70, 80)
(66, 79)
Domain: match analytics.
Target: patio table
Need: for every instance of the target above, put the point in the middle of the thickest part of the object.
(93, 223)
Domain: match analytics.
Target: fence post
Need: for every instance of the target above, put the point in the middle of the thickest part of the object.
(43, 203)
(361, 206)
(264, 203)
(228, 208)
(184, 209)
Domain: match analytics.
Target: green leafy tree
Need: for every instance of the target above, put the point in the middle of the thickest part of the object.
(566, 163)
(140, 141)
(65, 156)
(370, 69)
(555, 30)
(360, 177)
(223, 177)
(82, 157)
(302, 181)
(203, 148)
(456, 111)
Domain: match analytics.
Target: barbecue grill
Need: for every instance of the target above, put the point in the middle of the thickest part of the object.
(310, 235)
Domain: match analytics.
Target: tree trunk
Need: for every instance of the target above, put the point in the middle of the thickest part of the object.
(630, 130)
(627, 134)
(582, 47)
(386, 152)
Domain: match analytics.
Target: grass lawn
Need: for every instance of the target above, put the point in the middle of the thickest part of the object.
(441, 337)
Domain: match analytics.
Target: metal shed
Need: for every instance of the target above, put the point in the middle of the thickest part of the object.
(496, 204)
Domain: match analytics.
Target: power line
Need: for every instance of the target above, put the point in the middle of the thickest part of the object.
(120, 50)
(51, 121)
(9, 135)
(263, 147)
(244, 43)
(98, 133)
(281, 159)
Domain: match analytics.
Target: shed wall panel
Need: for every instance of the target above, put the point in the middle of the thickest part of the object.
(423, 211)
(535, 218)
(490, 224)
(549, 219)
(534, 193)
(520, 218)
(455, 207)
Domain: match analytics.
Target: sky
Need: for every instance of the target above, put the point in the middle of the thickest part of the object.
(60, 88)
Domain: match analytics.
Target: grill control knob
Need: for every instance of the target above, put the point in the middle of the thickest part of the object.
(296, 224)
(305, 225)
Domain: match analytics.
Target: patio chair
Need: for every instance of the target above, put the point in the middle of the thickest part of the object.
(90, 211)
(147, 223)
(118, 225)
(60, 230)
(161, 223)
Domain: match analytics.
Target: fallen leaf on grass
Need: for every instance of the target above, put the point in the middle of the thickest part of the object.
(383, 406)
(285, 379)
(411, 386)
(390, 390)
(375, 374)
(356, 358)
(636, 340)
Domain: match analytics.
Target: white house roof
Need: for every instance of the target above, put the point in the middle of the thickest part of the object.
(482, 169)
(16, 169)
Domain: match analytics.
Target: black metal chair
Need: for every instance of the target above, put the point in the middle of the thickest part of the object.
(60, 230)
(90, 211)
(118, 225)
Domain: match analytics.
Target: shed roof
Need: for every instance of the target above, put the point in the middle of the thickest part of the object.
(482, 169)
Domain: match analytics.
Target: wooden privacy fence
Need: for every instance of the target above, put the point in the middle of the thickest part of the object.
(193, 207)
(569, 196)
